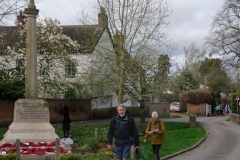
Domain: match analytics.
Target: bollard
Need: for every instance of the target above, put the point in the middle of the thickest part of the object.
(57, 149)
(18, 155)
(132, 151)
(96, 132)
(192, 120)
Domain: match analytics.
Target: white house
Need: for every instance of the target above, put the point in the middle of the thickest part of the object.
(93, 39)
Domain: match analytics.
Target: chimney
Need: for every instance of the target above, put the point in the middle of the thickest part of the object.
(102, 17)
(21, 20)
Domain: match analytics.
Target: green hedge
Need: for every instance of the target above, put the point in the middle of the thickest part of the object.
(98, 156)
(234, 102)
(11, 156)
(104, 113)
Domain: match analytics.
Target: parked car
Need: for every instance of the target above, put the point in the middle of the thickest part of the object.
(174, 106)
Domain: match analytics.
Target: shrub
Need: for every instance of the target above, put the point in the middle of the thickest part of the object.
(11, 156)
(101, 113)
(134, 111)
(194, 97)
(98, 156)
(94, 144)
(234, 102)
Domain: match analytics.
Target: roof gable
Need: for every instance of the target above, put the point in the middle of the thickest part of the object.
(86, 35)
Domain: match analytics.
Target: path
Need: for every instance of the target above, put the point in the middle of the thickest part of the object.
(222, 143)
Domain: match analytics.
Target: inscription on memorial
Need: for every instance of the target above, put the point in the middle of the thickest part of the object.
(33, 112)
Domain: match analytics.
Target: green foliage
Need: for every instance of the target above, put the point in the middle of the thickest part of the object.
(234, 102)
(194, 97)
(184, 82)
(94, 144)
(135, 111)
(98, 156)
(11, 156)
(219, 80)
(101, 113)
(79, 131)
(2, 132)
(164, 65)
(11, 88)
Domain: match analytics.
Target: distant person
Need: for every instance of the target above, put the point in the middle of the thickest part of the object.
(66, 121)
(227, 108)
(123, 129)
(223, 106)
(217, 108)
(155, 129)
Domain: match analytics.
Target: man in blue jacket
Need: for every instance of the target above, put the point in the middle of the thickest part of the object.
(123, 129)
(223, 109)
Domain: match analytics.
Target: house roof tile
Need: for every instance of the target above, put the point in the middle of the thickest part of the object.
(86, 35)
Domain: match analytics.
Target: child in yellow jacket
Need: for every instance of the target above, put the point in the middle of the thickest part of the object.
(155, 129)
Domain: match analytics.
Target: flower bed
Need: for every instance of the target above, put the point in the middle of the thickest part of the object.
(39, 148)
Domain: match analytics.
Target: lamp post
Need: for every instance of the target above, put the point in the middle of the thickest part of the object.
(205, 81)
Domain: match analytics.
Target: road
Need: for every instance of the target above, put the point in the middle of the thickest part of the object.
(222, 143)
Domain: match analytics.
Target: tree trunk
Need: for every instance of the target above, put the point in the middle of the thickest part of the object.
(142, 111)
(121, 77)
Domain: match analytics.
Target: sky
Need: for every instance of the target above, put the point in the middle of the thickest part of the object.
(189, 22)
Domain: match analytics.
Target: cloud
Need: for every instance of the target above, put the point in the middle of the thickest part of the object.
(190, 21)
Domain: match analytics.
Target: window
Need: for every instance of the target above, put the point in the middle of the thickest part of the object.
(44, 67)
(20, 67)
(70, 93)
(70, 68)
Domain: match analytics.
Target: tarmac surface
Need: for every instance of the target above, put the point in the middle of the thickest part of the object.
(221, 143)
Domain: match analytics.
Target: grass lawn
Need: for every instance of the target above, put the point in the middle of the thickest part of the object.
(178, 137)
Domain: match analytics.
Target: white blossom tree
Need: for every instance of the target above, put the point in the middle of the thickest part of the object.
(54, 51)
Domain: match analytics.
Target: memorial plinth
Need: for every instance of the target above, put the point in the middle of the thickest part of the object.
(31, 122)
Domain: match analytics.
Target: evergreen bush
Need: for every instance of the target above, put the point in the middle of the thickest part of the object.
(234, 102)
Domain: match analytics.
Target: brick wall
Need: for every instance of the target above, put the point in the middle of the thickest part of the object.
(199, 109)
(79, 110)
(160, 108)
(6, 111)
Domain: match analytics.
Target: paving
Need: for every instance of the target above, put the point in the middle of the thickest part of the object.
(222, 141)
